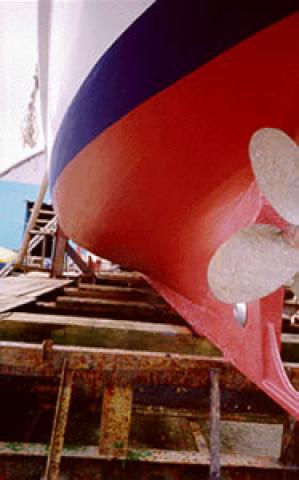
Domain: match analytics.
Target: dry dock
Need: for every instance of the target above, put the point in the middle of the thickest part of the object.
(92, 372)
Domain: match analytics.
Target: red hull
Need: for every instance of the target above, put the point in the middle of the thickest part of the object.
(163, 187)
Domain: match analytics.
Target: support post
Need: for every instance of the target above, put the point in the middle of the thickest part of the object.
(59, 252)
(215, 466)
(116, 415)
(290, 442)
(59, 424)
(43, 252)
(199, 439)
(84, 267)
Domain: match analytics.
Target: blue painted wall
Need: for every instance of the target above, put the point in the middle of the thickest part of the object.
(13, 197)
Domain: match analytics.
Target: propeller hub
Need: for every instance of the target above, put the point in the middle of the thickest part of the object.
(291, 236)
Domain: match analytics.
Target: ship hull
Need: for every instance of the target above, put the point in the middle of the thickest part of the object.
(159, 182)
(165, 185)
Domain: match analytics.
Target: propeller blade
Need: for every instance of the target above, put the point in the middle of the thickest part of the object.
(254, 262)
(275, 162)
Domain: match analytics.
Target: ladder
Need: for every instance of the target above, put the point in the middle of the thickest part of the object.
(36, 235)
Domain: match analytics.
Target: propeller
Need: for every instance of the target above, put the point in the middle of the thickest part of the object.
(259, 259)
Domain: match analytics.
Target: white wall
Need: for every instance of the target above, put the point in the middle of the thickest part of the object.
(18, 56)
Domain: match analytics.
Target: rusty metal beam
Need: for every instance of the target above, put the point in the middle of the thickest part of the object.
(145, 367)
(215, 466)
(59, 424)
(196, 416)
(116, 415)
(181, 457)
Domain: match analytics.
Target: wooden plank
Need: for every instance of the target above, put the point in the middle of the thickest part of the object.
(116, 415)
(115, 293)
(10, 303)
(292, 302)
(108, 333)
(42, 232)
(79, 302)
(130, 279)
(59, 424)
(29, 285)
(43, 221)
(17, 291)
(290, 338)
(114, 308)
(34, 267)
(77, 321)
(108, 310)
(43, 211)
